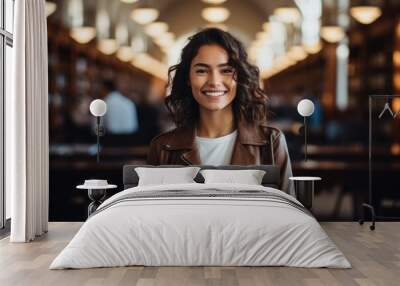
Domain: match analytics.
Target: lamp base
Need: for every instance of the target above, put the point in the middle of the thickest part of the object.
(372, 210)
(97, 196)
(305, 192)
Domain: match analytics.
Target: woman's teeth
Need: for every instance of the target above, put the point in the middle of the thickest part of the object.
(214, 93)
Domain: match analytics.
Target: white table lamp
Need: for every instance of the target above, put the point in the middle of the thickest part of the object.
(305, 108)
(98, 108)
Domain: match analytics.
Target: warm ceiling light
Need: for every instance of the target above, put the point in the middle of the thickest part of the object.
(125, 53)
(214, 1)
(219, 26)
(398, 30)
(283, 62)
(144, 16)
(396, 106)
(254, 52)
(50, 8)
(396, 58)
(265, 26)
(107, 46)
(269, 72)
(261, 36)
(165, 40)
(129, 1)
(297, 53)
(215, 14)
(332, 34)
(138, 44)
(83, 35)
(156, 29)
(262, 44)
(396, 81)
(122, 34)
(287, 14)
(313, 48)
(365, 14)
(150, 65)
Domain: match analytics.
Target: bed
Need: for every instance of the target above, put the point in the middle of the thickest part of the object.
(198, 224)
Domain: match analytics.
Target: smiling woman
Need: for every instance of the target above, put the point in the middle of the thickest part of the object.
(219, 109)
(213, 86)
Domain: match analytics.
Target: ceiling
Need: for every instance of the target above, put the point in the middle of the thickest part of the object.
(245, 19)
(183, 16)
(263, 6)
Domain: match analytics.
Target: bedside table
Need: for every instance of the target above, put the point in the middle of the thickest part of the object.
(304, 187)
(96, 193)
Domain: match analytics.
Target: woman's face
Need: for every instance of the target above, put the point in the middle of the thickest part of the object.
(212, 78)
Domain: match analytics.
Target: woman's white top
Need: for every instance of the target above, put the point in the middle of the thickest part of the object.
(216, 151)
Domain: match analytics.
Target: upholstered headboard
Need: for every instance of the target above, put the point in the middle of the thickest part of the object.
(270, 179)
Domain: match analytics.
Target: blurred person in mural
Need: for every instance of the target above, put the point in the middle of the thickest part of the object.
(220, 110)
(121, 117)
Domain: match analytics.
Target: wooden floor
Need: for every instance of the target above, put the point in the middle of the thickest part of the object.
(375, 257)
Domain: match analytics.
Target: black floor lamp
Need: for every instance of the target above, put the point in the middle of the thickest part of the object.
(98, 108)
(305, 108)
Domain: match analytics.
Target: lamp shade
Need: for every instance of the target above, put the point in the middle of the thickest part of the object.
(98, 107)
(107, 46)
(50, 8)
(144, 15)
(305, 107)
(332, 34)
(83, 35)
(365, 14)
(215, 14)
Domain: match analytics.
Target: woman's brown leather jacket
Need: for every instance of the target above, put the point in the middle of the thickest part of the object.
(255, 144)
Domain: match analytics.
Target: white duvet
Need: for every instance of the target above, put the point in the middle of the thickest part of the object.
(200, 231)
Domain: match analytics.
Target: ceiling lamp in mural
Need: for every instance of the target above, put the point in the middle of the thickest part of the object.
(144, 15)
(165, 40)
(105, 41)
(365, 14)
(107, 46)
(50, 8)
(83, 35)
(265, 26)
(332, 34)
(156, 29)
(218, 26)
(287, 14)
(214, 1)
(215, 14)
(313, 48)
(147, 63)
(125, 53)
(82, 29)
(297, 53)
(262, 36)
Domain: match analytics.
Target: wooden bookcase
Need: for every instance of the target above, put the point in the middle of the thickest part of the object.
(76, 74)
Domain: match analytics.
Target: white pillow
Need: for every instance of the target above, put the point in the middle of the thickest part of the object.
(162, 176)
(249, 177)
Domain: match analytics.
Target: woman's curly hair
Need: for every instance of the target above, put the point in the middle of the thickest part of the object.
(250, 101)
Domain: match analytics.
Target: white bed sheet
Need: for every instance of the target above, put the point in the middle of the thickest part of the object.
(200, 231)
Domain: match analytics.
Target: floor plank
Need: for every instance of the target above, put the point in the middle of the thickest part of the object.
(375, 257)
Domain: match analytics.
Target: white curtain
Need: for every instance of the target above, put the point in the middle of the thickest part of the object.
(27, 168)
